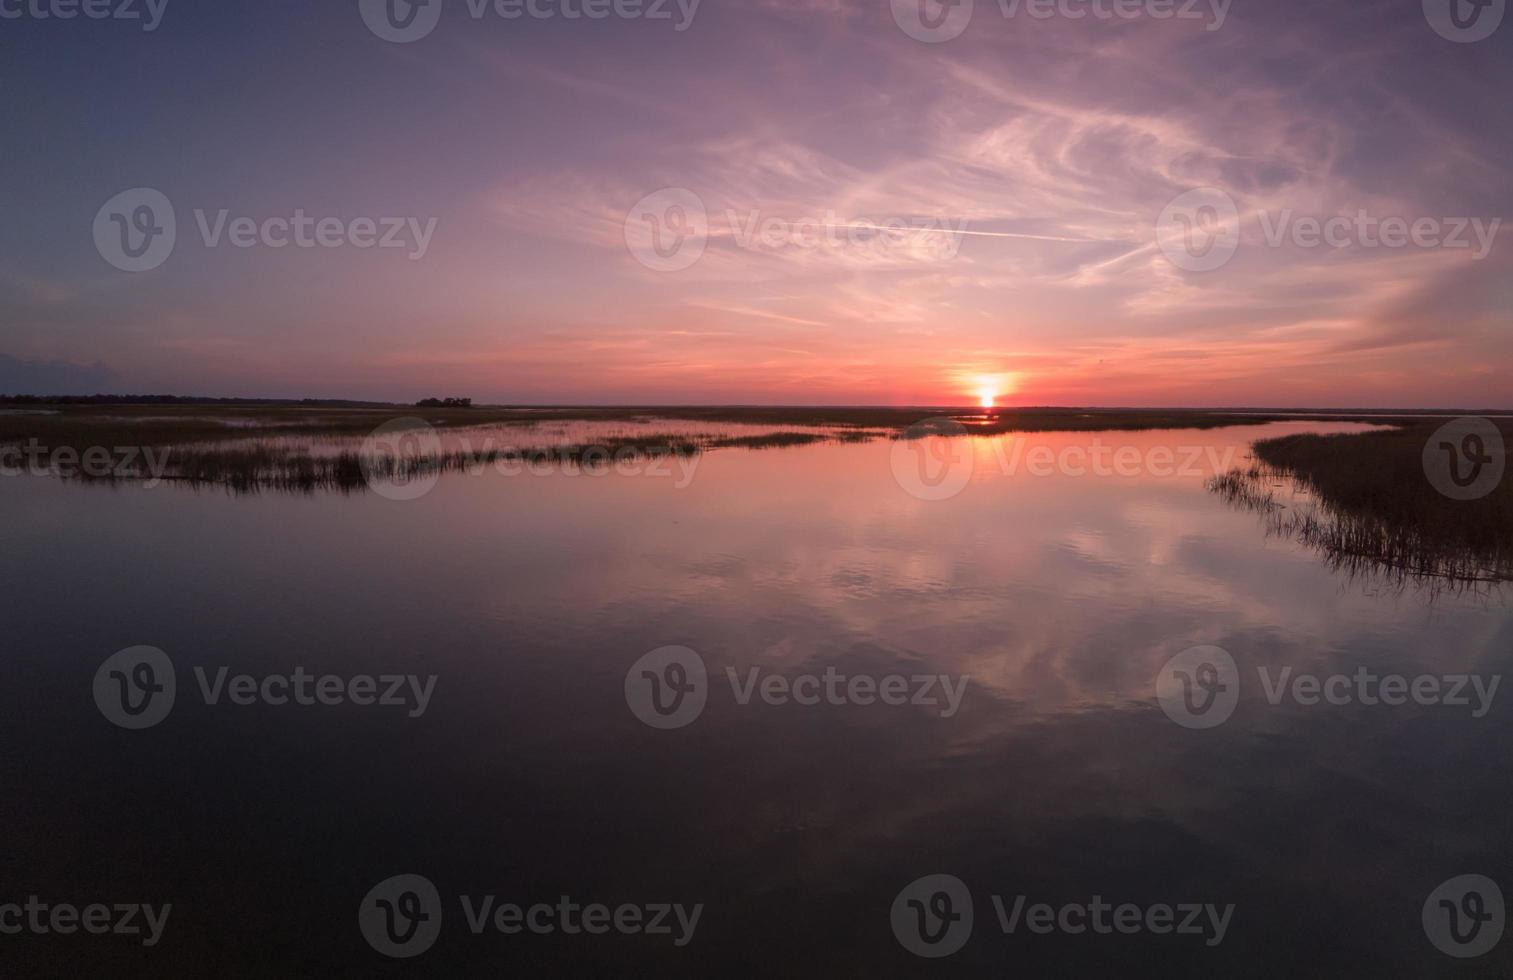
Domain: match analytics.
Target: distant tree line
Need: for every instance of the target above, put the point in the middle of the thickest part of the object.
(444, 403)
(181, 400)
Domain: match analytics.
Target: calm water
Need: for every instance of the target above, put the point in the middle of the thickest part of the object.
(1056, 599)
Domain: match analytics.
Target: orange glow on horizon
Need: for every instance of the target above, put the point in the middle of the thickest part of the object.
(991, 387)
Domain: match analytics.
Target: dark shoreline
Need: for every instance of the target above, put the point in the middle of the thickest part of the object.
(1367, 500)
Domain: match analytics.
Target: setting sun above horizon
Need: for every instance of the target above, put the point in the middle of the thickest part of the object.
(881, 221)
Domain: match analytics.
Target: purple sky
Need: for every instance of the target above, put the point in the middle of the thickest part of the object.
(846, 213)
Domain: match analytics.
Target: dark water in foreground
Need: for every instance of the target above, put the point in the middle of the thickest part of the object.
(1056, 600)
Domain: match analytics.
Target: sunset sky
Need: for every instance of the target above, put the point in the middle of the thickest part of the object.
(1053, 143)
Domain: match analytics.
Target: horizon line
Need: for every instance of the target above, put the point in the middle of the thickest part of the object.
(381, 403)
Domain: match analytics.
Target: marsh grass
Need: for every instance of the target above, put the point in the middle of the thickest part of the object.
(1364, 502)
(274, 466)
(771, 440)
(248, 446)
(177, 424)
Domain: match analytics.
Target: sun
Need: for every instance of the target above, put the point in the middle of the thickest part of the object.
(986, 387)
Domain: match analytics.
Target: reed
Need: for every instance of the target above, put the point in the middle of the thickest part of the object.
(1364, 501)
(306, 447)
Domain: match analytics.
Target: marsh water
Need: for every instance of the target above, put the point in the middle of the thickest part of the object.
(1049, 596)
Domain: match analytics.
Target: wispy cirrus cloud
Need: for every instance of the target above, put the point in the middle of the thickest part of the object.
(884, 219)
